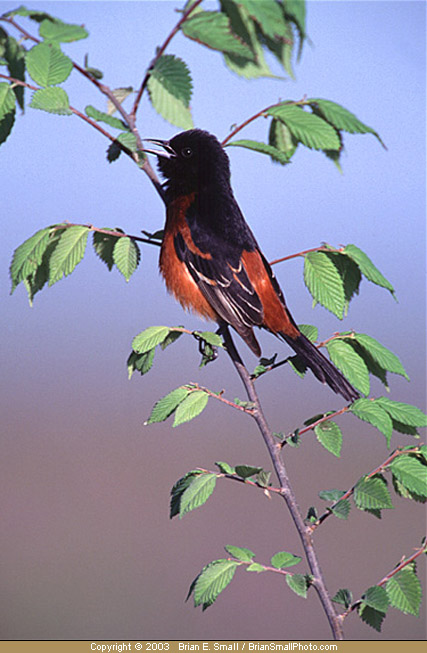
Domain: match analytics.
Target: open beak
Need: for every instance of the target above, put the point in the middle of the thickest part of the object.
(168, 152)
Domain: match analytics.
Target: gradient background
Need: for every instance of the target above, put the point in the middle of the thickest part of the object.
(88, 550)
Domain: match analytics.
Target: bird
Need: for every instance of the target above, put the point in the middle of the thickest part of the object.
(210, 259)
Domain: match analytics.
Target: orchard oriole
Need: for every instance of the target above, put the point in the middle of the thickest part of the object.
(210, 259)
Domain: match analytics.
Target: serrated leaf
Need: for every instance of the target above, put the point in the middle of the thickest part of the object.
(213, 29)
(367, 268)
(307, 128)
(383, 356)
(128, 139)
(52, 100)
(141, 363)
(178, 489)
(403, 413)
(170, 89)
(330, 436)
(170, 338)
(103, 245)
(255, 566)
(211, 338)
(311, 332)
(126, 256)
(376, 597)
(284, 559)
(411, 473)
(343, 597)
(62, 32)
(149, 338)
(341, 118)
(68, 253)
(100, 116)
(197, 493)
(246, 471)
(263, 148)
(350, 363)
(371, 494)
(6, 125)
(324, 282)
(34, 14)
(212, 580)
(28, 256)
(298, 584)
(372, 412)
(331, 495)
(341, 509)
(167, 405)
(349, 273)
(404, 591)
(281, 138)
(120, 94)
(370, 616)
(269, 16)
(47, 65)
(14, 54)
(240, 553)
(192, 406)
(225, 468)
(7, 100)
(39, 278)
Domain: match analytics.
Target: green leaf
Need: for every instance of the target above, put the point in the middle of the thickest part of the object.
(100, 116)
(330, 436)
(370, 616)
(15, 57)
(39, 278)
(52, 100)
(246, 471)
(170, 338)
(7, 100)
(311, 332)
(324, 282)
(376, 597)
(192, 406)
(225, 468)
(383, 356)
(170, 89)
(403, 413)
(213, 29)
(263, 148)
(411, 473)
(167, 405)
(255, 566)
(28, 256)
(149, 338)
(284, 559)
(341, 509)
(210, 337)
(372, 412)
(307, 128)
(269, 16)
(68, 253)
(178, 490)
(298, 584)
(341, 118)
(212, 580)
(372, 494)
(404, 591)
(281, 138)
(126, 256)
(197, 493)
(103, 245)
(120, 94)
(343, 597)
(141, 363)
(242, 554)
(350, 363)
(62, 32)
(6, 125)
(47, 65)
(367, 268)
(349, 273)
(331, 495)
(35, 15)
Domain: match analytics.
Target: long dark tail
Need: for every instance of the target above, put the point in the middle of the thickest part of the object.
(321, 367)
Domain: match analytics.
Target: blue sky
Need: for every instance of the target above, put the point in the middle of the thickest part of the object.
(85, 483)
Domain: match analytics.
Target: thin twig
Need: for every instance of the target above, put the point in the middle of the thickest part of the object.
(312, 426)
(287, 492)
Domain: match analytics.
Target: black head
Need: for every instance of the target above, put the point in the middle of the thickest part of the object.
(193, 160)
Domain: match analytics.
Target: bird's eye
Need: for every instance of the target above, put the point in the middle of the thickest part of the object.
(187, 152)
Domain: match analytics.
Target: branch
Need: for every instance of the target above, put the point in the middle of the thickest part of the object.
(159, 53)
(378, 470)
(112, 232)
(312, 426)
(286, 491)
(322, 248)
